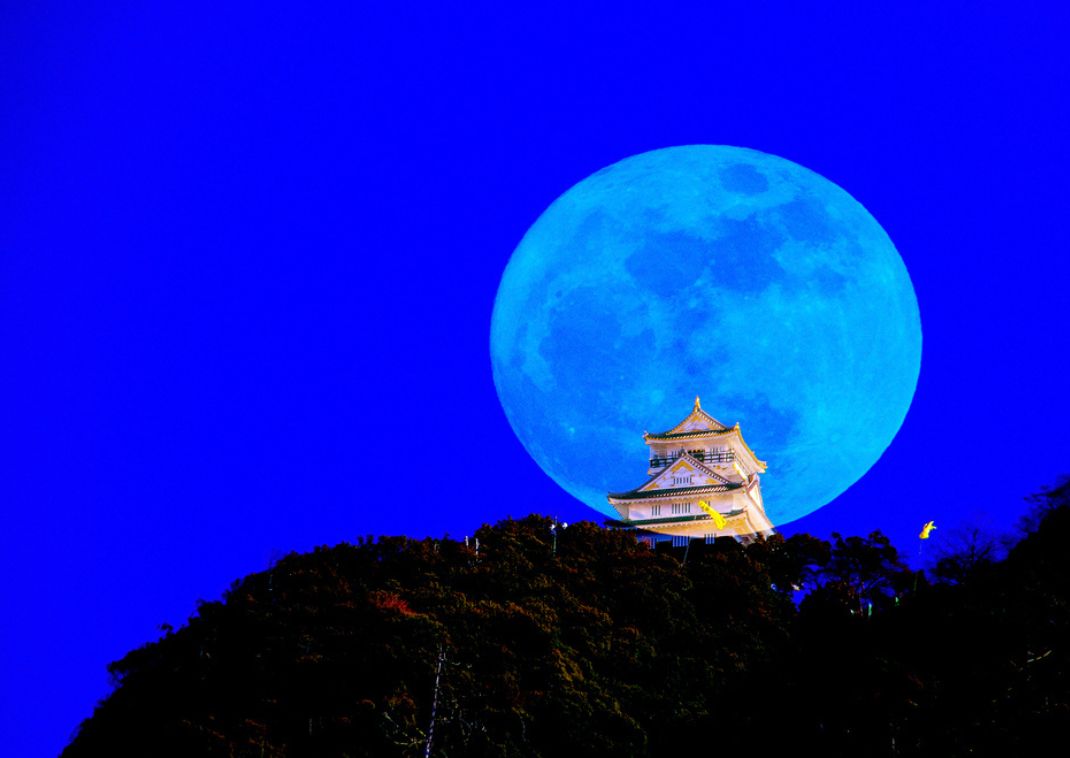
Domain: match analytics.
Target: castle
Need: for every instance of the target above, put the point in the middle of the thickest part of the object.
(703, 483)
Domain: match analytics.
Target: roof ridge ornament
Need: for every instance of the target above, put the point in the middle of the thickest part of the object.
(698, 405)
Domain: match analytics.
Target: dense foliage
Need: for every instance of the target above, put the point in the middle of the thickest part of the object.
(601, 646)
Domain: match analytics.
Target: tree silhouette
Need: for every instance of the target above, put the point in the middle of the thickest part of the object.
(602, 646)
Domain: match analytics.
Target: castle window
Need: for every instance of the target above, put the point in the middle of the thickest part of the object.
(655, 510)
(678, 508)
(721, 455)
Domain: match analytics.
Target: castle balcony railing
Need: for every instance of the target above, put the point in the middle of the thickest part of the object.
(726, 456)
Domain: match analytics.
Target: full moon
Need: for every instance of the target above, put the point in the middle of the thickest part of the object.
(715, 271)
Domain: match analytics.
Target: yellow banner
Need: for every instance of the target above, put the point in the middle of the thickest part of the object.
(718, 519)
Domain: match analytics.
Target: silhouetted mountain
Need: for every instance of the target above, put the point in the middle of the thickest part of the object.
(607, 647)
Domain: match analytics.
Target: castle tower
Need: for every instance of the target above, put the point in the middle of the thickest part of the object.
(699, 459)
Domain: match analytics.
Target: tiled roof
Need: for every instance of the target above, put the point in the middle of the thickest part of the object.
(687, 435)
(700, 490)
(670, 520)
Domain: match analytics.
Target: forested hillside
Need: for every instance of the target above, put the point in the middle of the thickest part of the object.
(602, 646)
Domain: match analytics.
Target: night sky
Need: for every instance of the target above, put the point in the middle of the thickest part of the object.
(248, 257)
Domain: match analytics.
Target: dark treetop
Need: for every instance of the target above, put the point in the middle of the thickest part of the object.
(595, 645)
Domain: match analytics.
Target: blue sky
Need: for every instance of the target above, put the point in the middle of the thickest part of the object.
(243, 249)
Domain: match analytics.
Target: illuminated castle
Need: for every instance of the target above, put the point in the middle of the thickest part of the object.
(703, 483)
